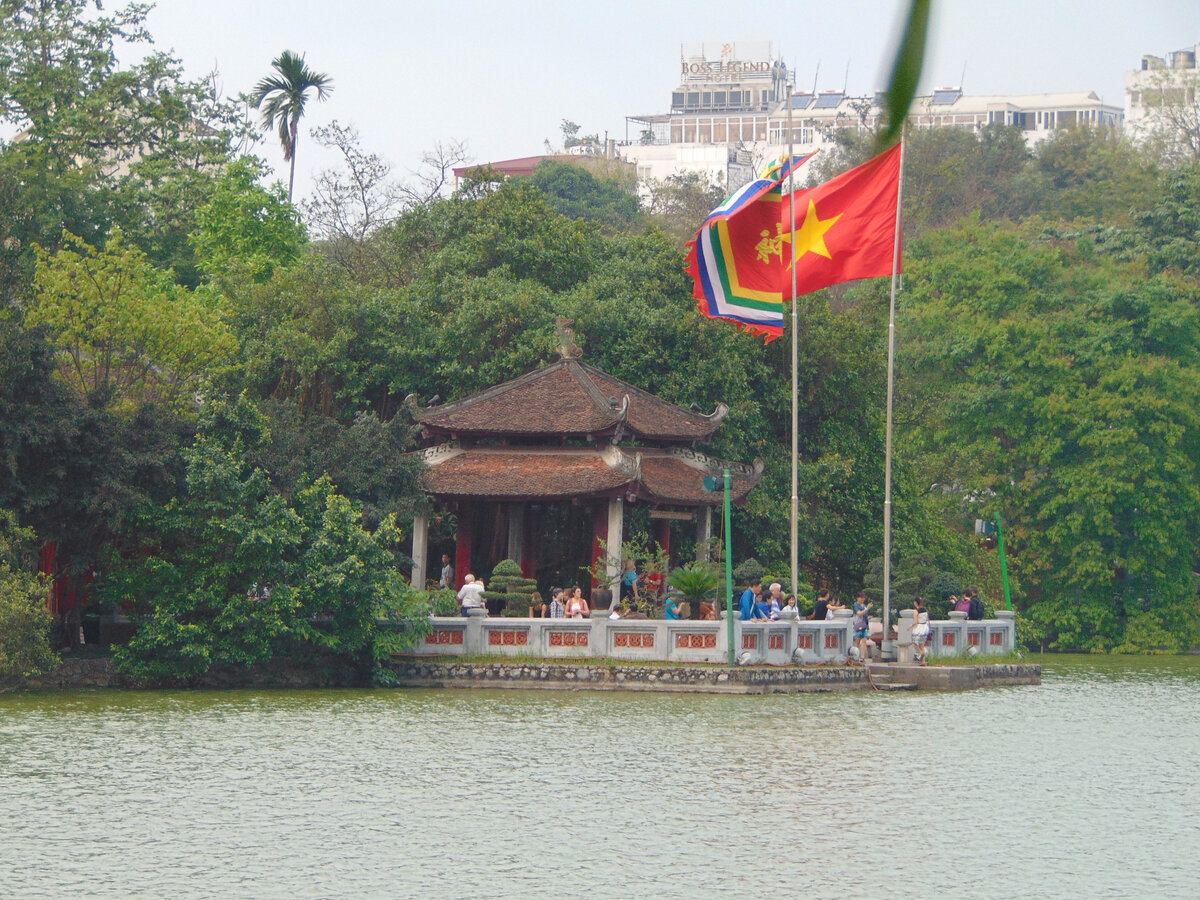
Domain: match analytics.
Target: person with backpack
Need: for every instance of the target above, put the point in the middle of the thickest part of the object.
(975, 610)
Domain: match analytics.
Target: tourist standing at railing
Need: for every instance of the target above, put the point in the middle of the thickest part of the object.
(577, 607)
(762, 610)
(470, 595)
(975, 608)
(920, 631)
(961, 604)
(862, 624)
(775, 601)
(746, 604)
(537, 606)
(670, 608)
(821, 607)
(791, 610)
(556, 610)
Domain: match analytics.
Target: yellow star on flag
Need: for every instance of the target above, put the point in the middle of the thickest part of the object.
(811, 236)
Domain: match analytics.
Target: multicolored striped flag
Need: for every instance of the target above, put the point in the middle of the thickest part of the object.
(845, 229)
(737, 260)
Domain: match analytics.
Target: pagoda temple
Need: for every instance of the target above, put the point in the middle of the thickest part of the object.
(552, 459)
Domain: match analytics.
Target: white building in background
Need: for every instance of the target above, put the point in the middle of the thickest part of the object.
(1162, 94)
(729, 115)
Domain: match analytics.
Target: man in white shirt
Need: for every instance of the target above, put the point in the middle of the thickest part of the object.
(470, 595)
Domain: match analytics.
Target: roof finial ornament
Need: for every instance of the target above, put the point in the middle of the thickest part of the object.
(567, 348)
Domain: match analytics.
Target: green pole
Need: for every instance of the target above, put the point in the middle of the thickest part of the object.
(728, 569)
(1003, 562)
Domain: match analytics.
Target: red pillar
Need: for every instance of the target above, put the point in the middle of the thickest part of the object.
(664, 536)
(600, 534)
(462, 548)
(46, 567)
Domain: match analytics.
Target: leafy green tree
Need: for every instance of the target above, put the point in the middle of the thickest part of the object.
(237, 575)
(366, 459)
(311, 337)
(1094, 173)
(282, 98)
(679, 203)
(126, 333)
(97, 143)
(577, 193)
(1168, 227)
(74, 471)
(24, 619)
(1064, 393)
(244, 227)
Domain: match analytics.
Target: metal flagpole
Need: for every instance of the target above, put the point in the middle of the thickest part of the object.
(795, 557)
(888, 647)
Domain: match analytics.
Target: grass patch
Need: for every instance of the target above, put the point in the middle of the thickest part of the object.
(982, 659)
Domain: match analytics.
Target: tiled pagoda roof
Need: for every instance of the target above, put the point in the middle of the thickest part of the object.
(652, 475)
(568, 399)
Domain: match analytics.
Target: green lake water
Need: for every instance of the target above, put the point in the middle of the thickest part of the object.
(1085, 786)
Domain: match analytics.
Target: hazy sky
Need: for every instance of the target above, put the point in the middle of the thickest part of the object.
(502, 75)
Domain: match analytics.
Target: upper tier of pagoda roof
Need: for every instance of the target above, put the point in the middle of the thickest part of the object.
(569, 399)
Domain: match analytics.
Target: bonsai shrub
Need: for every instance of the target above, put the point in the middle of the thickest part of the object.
(748, 571)
(509, 585)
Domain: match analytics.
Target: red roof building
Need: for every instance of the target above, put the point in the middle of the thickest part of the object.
(532, 468)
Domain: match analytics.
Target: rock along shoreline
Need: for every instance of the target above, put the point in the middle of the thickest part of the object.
(413, 673)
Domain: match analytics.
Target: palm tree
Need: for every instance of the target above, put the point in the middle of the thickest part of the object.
(282, 97)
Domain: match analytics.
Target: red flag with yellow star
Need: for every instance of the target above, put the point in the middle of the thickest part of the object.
(846, 227)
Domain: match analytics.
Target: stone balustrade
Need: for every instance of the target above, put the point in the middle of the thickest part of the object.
(756, 643)
(684, 640)
(960, 636)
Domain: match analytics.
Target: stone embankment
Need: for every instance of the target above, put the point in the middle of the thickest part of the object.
(709, 679)
(72, 673)
(417, 673)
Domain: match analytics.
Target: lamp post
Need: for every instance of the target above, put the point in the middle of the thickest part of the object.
(710, 484)
(728, 570)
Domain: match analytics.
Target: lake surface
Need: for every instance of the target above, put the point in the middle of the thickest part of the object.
(1086, 786)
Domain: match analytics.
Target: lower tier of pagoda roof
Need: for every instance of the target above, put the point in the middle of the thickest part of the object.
(652, 475)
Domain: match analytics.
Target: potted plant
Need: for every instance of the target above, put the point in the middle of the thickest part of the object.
(693, 584)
